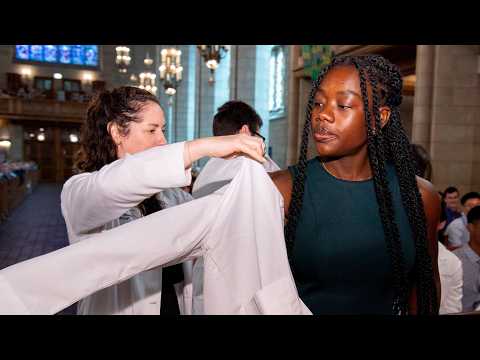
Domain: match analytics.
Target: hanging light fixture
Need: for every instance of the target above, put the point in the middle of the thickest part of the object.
(41, 135)
(147, 79)
(5, 144)
(133, 79)
(170, 71)
(212, 54)
(123, 58)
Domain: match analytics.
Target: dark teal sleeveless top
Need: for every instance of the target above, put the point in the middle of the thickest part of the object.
(340, 259)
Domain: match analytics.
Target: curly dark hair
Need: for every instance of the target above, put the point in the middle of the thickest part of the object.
(389, 143)
(120, 106)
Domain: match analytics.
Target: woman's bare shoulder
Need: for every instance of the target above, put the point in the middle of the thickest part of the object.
(281, 177)
(283, 181)
(430, 196)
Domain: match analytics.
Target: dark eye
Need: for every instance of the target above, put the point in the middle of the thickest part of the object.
(317, 104)
(152, 131)
(344, 107)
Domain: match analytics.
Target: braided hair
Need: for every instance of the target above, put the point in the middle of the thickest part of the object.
(391, 144)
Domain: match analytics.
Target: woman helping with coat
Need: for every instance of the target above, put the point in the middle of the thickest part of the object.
(124, 164)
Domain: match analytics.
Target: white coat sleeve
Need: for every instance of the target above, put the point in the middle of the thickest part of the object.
(90, 200)
(457, 289)
(52, 282)
(246, 269)
(451, 279)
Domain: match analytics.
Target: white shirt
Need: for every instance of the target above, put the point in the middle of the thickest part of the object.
(471, 277)
(238, 230)
(451, 281)
(457, 232)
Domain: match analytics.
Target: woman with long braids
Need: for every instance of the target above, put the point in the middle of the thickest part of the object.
(360, 226)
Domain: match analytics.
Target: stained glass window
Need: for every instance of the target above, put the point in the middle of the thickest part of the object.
(65, 54)
(36, 52)
(276, 103)
(82, 55)
(91, 55)
(50, 53)
(77, 54)
(22, 52)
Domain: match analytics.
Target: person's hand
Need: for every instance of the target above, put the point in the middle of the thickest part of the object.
(226, 147)
(232, 146)
(441, 225)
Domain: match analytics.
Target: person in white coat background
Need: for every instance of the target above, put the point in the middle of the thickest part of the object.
(233, 117)
(451, 280)
(123, 152)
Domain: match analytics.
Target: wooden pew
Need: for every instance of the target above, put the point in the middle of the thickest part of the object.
(3, 198)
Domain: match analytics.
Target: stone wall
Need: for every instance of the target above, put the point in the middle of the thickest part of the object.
(446, 119)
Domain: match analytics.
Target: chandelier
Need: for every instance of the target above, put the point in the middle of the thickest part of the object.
(123, 58)
(170, 71)
(212, 54)
(133, 80)
(147, 79)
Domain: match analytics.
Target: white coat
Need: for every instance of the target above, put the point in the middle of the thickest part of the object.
(101, 200)
(451, 281)
(215, 174)
(238, 230)
(219, 172)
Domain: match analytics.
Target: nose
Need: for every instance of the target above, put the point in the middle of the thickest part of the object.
(161, 139)
(323, 114)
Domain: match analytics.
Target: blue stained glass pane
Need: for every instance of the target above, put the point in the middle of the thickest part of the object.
(36, 52)
(91, 55)
(77, 54)
(50, 53)
(22, 52)
(65, 54)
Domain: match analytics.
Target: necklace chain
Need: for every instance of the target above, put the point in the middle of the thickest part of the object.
(336, 177)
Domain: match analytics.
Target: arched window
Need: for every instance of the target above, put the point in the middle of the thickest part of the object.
(276, 98)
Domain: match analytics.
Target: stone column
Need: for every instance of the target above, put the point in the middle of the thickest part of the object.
(244, 74)
(422, 111)
(447, 113)
(293, 107)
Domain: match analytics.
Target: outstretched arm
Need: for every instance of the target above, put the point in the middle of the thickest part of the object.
(90, 200)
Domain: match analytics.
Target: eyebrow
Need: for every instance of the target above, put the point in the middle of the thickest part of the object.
(154, 125)
(349, 92)
(343, 92)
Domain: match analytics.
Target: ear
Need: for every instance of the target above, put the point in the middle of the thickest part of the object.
(245, 130)
(470, 227)
(114, 132)
(384, 115)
